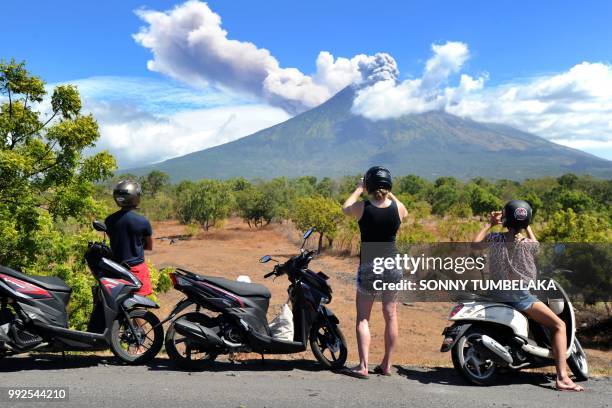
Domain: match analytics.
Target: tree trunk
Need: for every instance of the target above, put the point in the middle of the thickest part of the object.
(320, 241)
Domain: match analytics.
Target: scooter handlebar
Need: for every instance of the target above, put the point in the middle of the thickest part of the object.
(273, 273)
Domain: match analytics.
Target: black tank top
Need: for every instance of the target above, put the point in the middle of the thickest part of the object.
(379, 224)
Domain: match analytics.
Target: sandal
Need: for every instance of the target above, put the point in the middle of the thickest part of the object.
(379, 370)
(354, 374)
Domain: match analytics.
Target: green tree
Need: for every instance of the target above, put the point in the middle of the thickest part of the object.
(590, 263)
(281, 194)
(325, 187)
(319, 212)
(43, 173)
(535, 201)
(255, 206)
(481, 200)
(239, 183)
(414, 185)
(449, 181)
(347, 185)
(154, 182)
(568, 226)
(444, 197)
(576, 200)
(569, 180)
(303, 186)
(205, 202)
(47, 183)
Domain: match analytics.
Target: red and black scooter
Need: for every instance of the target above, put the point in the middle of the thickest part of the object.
(236, 316)
(33, 314)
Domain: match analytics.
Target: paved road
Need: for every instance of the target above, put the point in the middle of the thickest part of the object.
(98, 382)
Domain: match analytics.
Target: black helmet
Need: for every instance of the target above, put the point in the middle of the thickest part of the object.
(517, 214)
(377, 177)
(127, 194)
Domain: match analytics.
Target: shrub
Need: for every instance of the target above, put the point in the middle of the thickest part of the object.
(567, 226)
(255, 206)
(319, 212)
(205, 202)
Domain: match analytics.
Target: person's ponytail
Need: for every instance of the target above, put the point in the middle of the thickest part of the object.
(380, 194)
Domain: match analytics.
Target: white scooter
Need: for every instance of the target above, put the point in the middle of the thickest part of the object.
(487, 335)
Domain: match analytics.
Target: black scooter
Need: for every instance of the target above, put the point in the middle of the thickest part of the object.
(238, 319)
(33, 316)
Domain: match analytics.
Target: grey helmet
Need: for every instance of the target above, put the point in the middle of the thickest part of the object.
(127, 194)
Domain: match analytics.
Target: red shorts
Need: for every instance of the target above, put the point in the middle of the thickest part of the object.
(141, 271)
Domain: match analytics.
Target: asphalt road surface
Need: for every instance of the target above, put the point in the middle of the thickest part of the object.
(99, 382)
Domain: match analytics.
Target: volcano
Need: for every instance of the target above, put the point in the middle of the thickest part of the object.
(330, 140)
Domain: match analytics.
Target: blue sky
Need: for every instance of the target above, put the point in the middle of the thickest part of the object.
(508, 44)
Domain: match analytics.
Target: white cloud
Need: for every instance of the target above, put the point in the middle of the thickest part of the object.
(448, 59)
(389, 98)
(573, 108)
(136, 138)
(189, 44)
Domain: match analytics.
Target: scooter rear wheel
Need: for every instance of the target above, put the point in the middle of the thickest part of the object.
(468, 362)
(180, 350)
(326, 338)
(126, 347)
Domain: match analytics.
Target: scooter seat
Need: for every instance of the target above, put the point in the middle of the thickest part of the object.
(473, 297)
(52, 283)
(239, 288)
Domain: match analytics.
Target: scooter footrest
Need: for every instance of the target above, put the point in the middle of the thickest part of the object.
(24, 338)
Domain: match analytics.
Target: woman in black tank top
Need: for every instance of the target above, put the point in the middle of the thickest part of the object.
(379, 221)
(379, 224)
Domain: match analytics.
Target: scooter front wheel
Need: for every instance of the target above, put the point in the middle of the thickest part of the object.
(328, 344)
(577, 362)
(143, 345)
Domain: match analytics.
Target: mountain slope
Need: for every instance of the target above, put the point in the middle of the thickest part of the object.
(330, 141)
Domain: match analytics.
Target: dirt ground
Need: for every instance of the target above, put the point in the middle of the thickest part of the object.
(234, 250)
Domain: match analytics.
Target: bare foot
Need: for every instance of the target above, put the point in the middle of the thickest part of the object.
(567, 384)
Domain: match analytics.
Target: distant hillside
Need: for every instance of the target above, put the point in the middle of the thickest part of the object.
(331, 141)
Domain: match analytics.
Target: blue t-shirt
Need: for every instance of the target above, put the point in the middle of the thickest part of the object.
(126, 230)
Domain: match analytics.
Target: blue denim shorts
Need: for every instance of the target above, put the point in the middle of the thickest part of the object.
(366, 279)
(521, 300)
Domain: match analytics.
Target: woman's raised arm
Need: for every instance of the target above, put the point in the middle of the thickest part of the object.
(352, 206)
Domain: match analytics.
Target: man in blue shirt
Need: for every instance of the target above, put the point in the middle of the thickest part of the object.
(130, 233)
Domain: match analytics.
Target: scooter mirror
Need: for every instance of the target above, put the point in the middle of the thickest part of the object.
(99, 226)
(265, 258)
(308, 233)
